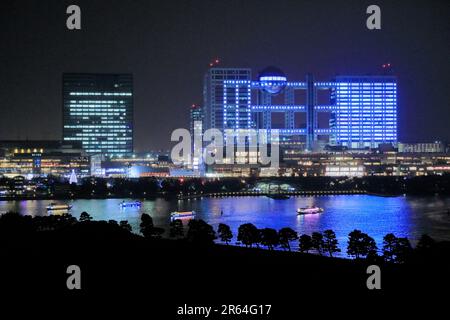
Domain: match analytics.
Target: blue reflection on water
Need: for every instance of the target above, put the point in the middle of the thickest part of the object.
(404, 216)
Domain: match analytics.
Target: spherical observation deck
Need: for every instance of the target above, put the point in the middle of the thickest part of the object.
(272, 80)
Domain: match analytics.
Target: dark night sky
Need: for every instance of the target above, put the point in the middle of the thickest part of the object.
(168, 44)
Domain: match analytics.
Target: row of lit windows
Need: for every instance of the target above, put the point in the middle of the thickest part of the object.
(94, 126)
(84, 102)
(372, 84)
(100, 93)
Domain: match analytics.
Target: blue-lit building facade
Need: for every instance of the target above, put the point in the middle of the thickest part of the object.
(226, 98)
(365, 112)
(362, 109)
(98, 112)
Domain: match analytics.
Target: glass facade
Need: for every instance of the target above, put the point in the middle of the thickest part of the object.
(98, 112)
(365, 112)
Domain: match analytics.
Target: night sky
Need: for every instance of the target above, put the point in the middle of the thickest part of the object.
(167, 45)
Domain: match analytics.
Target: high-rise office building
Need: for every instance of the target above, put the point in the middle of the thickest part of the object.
(98, 112)
(196, 116)
(365, 112)
(226, 96)
(362, 109)
(196, 130)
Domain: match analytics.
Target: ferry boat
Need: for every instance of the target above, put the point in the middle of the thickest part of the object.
(182, 214)
(58, 207)
(130, 204)
(309, 210)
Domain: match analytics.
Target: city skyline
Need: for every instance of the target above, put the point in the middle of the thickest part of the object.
(167, 55)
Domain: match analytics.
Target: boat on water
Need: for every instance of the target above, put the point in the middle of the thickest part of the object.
(182, 214)
(130, 204)
(309, 210)
(58, 207)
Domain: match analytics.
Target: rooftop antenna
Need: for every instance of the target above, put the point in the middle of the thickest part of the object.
(387, 68)
(214, 62)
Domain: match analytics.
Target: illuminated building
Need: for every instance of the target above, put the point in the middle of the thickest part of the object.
(363, 109)
(225, 103)
(364, 162)
(195, 115)
(98, 112)
(135, 165)
(436, 146)
(43, 158)
(196, 130)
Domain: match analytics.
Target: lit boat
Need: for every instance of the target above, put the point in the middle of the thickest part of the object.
(130, 204)
(58, 207)
(309, 210)
(182, 214)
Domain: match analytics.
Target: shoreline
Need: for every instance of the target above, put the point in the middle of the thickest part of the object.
(219, 195)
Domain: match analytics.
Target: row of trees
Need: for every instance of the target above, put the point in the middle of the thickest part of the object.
(359, 244)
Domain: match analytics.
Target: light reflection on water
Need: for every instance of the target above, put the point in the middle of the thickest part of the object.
(404, 216)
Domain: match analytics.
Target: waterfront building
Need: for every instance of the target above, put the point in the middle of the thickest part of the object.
(136, 165)
(43, 158)
(362, 109)
(98, 112)
(365, 111)
(196, 130)
(364, 162)
(195, 116)
(424, 147)
(226, 98)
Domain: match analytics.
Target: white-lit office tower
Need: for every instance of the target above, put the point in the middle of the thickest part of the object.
(98, 112)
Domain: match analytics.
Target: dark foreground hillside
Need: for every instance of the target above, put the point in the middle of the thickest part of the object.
(127, 273)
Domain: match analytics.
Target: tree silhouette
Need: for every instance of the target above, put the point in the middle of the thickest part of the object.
(317, 242)
(285, 236)
(113, 222)
(225, 233)
(330, 243)
(305, 243)
(269, 238)
(200, 232)
(248, 234)
(389, 244)
(125, 225)
(396, 249)
(403, 250)
(176, 228)
(360, 244)
(84, 216)
(147, 228)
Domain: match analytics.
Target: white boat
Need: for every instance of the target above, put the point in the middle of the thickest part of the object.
(58, 207)
(309, 210)
(124, 204)
(182, 214)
